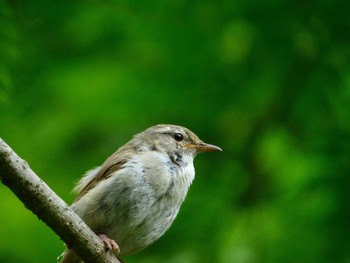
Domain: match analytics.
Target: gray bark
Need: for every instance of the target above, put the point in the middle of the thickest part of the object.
(50, 208)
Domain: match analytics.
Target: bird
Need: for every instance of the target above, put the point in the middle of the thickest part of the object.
(132, 199)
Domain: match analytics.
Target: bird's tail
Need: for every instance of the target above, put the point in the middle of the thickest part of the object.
(69, 256)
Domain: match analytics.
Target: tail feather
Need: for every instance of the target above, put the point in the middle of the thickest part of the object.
(69, 256)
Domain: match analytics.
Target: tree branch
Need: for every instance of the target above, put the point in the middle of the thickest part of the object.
(50, 208)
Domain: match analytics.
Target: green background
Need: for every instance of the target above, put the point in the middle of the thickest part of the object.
(268, 81)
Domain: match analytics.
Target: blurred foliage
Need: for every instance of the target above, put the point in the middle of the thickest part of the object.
(268, 81)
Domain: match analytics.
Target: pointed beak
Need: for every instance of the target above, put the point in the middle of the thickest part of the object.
(204, 147)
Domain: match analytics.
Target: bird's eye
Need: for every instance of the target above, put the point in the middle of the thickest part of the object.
(178, 137)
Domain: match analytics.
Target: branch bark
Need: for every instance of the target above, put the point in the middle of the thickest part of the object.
(50, 208)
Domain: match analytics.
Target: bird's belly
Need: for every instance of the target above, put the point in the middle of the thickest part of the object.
(143, 224)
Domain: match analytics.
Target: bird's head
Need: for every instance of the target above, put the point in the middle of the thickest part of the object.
(172, 138)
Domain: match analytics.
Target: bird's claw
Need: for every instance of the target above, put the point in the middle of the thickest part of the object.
(110, 244)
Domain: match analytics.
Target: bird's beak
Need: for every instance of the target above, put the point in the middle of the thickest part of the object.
(204, 147)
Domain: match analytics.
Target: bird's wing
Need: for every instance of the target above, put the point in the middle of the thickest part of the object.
(110, 166)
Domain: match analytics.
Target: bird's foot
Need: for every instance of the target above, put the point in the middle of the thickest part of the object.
(110, 244)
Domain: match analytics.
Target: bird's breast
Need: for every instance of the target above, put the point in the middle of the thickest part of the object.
(156, 188)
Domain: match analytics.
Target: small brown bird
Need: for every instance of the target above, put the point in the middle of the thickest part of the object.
(134, 196)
